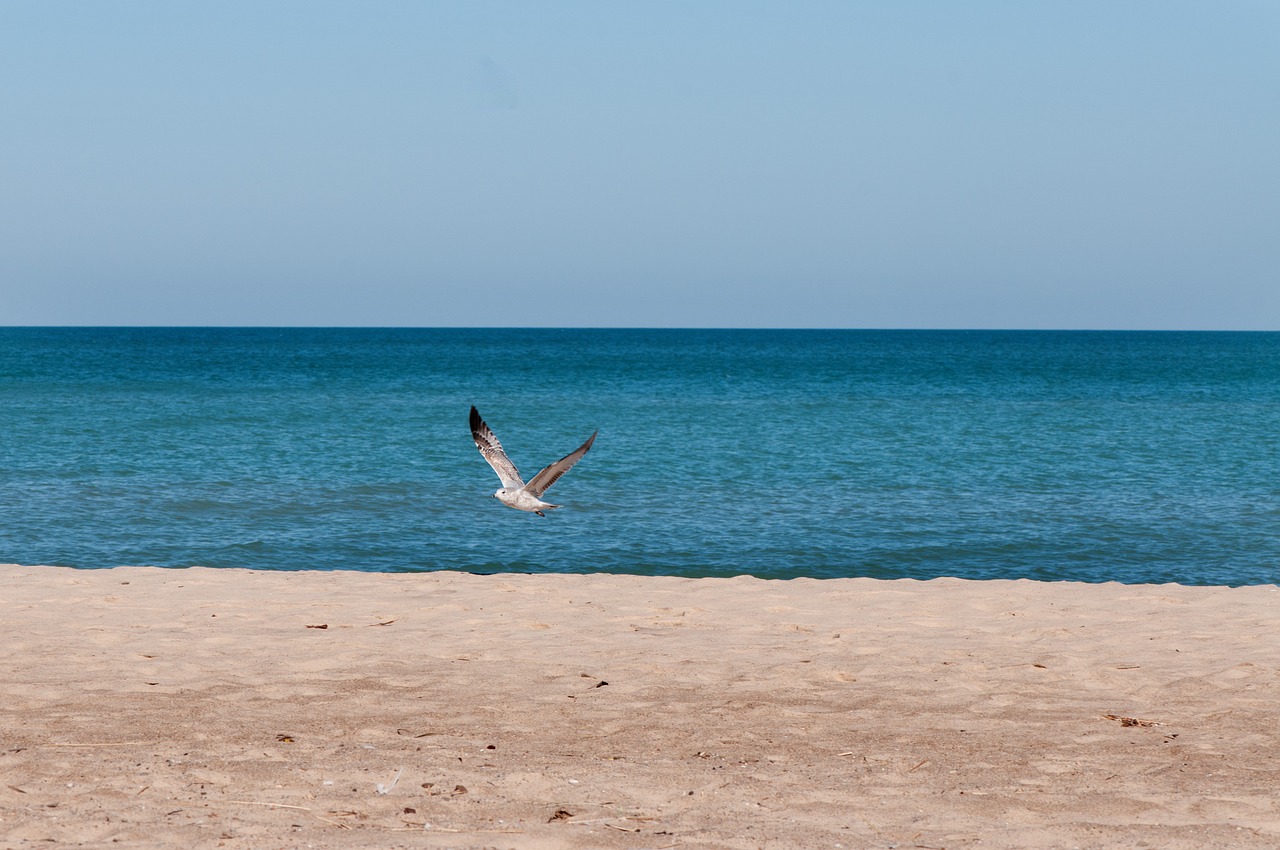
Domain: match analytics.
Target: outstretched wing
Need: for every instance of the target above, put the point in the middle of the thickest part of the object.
(491, 450)
(544, 479)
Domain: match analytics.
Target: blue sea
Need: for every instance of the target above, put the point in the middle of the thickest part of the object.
(1092, 456)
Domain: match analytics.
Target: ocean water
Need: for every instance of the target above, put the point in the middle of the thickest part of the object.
(1092, 456)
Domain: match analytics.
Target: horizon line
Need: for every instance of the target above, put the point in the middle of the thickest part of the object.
(896, 328)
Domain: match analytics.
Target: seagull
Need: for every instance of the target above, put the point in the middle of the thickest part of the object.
(515, 493)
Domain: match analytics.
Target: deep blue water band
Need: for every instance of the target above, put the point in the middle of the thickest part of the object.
(1095, 456)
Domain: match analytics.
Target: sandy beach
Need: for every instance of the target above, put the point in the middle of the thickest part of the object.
(201, 708)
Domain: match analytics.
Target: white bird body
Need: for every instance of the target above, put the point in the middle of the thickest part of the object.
(514, 493)
(522, 500)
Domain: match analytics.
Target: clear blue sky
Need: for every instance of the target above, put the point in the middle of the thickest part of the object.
(718, 164)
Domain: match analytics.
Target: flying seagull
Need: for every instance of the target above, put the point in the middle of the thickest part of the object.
(515, 493)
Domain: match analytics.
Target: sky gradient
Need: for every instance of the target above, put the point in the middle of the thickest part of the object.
(718, 164)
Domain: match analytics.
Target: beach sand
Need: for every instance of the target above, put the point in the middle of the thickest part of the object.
(200, 708)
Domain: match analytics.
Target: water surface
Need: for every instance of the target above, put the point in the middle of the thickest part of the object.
(1095, 456)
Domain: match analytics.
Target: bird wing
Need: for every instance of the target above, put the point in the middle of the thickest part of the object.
(544, 479)
(491, 450)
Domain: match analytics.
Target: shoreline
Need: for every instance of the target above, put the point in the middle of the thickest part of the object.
(235, 708)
